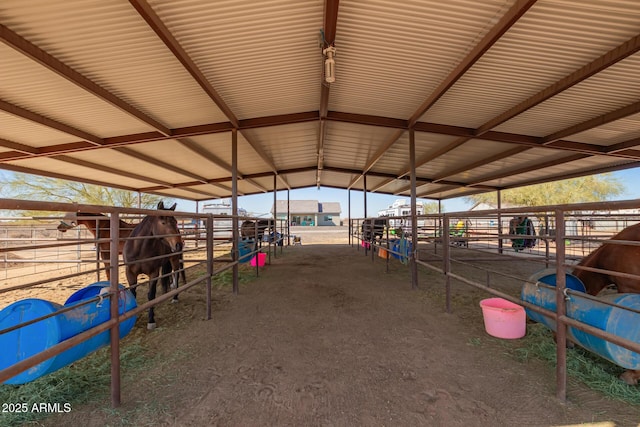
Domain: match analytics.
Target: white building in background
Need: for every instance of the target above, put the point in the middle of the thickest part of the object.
(222, 227)
(401, 207)
(222, 207)
(311, 213)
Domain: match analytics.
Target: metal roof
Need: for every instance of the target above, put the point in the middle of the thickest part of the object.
(147, 95)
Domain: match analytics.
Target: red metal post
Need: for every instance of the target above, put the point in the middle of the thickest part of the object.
(209, 262)
(561, 330)
(114, 332)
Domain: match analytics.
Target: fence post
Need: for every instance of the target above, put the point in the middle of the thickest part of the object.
(209, 262)
(446, 259)
(561, 328)
(114, 332)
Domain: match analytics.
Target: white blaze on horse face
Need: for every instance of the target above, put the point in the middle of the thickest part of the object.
(69, 221)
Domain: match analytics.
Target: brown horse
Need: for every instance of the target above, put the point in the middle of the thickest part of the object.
(150, 245)
(99, 225)
(373, 229)
(619, 258)
(254, 229)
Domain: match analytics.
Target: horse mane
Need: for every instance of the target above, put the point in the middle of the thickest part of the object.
(142, 226)
(102, 217)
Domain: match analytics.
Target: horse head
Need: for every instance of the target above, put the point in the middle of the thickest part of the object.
(167, 227)
(69, 221)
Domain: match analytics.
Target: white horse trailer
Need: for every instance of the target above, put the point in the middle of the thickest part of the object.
(399, 214)
(222, 227)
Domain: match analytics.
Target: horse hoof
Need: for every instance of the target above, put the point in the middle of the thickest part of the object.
(174, 300)
(151, 326)
(629, 378)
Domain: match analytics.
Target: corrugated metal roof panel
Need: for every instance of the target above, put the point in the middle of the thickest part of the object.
(109, 43)
(290, 146)
(612, 133)
(609, 90)
(390, 57)
(30, 86)
(59, 167)
(30, 133)
(583, 166)
(271, 67)
(548, 43)
(343, 147)
(126, 163)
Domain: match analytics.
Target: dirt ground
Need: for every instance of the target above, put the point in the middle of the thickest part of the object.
(326, 337)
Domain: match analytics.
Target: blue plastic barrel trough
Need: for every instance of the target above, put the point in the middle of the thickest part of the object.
(403, 247)
(244, 249)
(27, 341)
(544, 297)
(614, 320)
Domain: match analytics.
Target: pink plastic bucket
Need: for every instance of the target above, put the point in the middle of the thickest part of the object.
(262, 257)
(503, 319)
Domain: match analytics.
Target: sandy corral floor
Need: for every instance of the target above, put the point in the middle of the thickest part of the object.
(326, 337)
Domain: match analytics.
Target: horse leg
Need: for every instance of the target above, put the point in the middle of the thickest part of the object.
(630, 377)
(151, 296)
(105, 257)
(169, 272)
(132, 279)
(107, 270)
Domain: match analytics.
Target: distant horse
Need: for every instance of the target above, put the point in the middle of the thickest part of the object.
(100, 226)
(373, 229)
(619, 258)
(254, 229)
(149, 254)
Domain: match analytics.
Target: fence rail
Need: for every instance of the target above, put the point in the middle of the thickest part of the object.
(38, 259)
(558, 237)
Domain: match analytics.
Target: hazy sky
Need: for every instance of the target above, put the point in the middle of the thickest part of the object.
(260, 204)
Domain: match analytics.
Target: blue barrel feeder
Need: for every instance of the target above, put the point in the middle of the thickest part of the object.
(245, 247)
(403, 248)
(545, 297)
(27, 341)
(597, 313)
